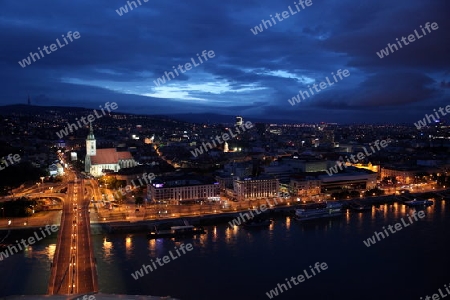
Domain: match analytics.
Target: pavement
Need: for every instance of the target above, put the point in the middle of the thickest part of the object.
(37, 220)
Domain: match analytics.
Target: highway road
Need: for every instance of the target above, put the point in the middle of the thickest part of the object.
(73, 270)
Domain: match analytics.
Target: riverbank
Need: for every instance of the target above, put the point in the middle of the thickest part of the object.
(224, 217)
(136, 226)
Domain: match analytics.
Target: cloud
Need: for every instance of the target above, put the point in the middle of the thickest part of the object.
(120, 57)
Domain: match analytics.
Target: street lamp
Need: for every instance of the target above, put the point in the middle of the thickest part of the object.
(42, 180)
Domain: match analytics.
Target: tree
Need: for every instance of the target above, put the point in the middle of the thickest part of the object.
(20, 207)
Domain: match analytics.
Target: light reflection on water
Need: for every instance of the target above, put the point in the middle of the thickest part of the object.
(265, 254)
(107, 249)
(28, 271)
(128, 246)
(288, 223)
(226, 257)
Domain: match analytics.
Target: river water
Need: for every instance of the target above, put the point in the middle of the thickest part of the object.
(238, 263)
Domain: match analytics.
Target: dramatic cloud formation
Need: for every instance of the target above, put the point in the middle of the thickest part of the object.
(118, 57)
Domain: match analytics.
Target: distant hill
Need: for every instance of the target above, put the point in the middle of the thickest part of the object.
(216, 118)
(208, 118)
(33, 109)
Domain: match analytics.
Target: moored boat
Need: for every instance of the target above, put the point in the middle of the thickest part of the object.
(416, 202)
(176, 231)
(358, 207)
(332, 209)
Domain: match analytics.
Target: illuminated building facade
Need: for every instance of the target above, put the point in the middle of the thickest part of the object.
(182, 189)
(256, 188)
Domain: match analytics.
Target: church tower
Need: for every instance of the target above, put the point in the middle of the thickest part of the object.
(91, 147)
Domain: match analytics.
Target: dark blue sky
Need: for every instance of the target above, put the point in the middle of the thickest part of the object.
(117, 58)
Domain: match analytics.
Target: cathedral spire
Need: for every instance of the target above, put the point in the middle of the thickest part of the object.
(91, 132)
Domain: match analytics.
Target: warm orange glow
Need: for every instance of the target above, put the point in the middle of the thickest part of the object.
(107, 247)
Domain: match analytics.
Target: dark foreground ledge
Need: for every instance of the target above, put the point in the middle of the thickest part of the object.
(90, 297)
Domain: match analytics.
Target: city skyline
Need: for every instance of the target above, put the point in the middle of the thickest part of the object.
(268, 141)
(268, 182)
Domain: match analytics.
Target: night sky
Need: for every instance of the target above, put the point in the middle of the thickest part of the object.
(118, 58)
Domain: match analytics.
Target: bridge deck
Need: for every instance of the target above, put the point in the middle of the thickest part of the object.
(73, 270)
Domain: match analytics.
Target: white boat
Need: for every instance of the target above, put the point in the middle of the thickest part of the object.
(333, 209)
(185, 230)
(416, 202)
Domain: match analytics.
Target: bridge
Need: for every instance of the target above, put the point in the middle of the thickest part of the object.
(74, 269)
